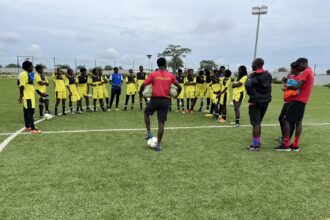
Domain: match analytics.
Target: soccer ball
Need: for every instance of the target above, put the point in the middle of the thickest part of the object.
(152, 142)
(173, 91)
(147, 92)
(48, 116)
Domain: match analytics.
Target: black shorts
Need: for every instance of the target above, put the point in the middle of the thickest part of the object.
(161, 105)
(257, 113)
(115, 91)
(294, 112)
(284, 108)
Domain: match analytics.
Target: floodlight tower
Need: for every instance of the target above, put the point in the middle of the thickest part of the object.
(258, 11)
(149, 57)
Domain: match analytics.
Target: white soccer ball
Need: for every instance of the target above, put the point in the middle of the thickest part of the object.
(147, 92)
(174, 91)
(48, 116)
(152, 142)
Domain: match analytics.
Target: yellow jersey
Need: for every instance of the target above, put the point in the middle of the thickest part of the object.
(27, 82)
(242, 87)
(225, 84)
(190, 88)
(61, 81)
(40, 78)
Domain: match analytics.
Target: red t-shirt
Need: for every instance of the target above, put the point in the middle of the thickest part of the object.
(161, 81)
(305, 91)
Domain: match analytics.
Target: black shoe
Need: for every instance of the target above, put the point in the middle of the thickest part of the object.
(254, 148)
(282, 148)
(295, 149)
(64, 114)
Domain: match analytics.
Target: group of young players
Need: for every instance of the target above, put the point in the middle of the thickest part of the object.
(214, 85)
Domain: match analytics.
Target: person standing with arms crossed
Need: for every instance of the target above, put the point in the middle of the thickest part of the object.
(259, 88)
(161, 81)
(116, 79)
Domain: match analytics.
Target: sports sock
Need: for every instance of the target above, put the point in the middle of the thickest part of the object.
(237, 120)
(41, 110)
(286, 142)
(256, 141)
(55, 110)
(140, 104)
(296, 141)
(224, 117)
(63, 109)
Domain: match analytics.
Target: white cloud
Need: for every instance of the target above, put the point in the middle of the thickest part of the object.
(33, 50)
(10, 38)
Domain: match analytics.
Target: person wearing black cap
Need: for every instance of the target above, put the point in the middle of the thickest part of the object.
(296, 108)
(259, 88)
(294, 73)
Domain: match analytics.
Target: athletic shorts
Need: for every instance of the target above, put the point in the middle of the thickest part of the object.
(115, 92)
(257, 113)
(61, 95)
(131, 89)
(98, 93)
(190, 94)
(74, 97)
(294, 112)
(239, 97)
(209, 92)
(181, 95)
(200, 91)
(224, 99)
(82, 90)
(105, 92)
(29, 103)
(161, 105)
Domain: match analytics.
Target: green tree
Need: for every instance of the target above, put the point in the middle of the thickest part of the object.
(282, 69)
(12, 65)
(175, 53)
(80, 67)
(176, 65)
(108, 67)
(208, 64)
(328, 72)
(63, 66)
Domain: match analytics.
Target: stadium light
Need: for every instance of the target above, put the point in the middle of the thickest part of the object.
(149, 57)
(258, 11)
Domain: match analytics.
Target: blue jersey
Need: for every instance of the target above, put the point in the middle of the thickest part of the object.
(117, 79)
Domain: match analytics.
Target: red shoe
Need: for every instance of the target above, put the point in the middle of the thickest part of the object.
(221, 120)
(27, 129)
(36, 131)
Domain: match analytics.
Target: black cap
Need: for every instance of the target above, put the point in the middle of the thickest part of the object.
(294, 64)
(301, 60)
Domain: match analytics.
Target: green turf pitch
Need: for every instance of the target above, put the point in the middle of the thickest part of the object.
(200, 174)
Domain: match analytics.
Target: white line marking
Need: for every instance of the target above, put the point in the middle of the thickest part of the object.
(13, 135)
(143, 129)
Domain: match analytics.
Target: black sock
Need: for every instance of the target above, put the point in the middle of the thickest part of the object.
(141, 104)
(63, 109)
(41, 110)
(237, 120)
(55, 110)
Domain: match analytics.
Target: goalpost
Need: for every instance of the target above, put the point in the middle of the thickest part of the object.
(20, 58)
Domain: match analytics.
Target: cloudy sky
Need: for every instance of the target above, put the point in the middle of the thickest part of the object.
(126, 30)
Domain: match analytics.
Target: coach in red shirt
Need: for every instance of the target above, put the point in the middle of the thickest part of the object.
(161, 81)
(296, 108)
